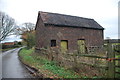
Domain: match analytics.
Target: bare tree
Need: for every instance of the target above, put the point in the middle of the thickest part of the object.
(24, 28)
(7, 25)
(29, 26)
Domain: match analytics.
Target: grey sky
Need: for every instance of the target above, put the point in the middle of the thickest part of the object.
(105, 12)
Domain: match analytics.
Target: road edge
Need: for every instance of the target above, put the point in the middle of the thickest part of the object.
(31, 69)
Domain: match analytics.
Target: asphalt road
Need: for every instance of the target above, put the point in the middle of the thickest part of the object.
(12, 67)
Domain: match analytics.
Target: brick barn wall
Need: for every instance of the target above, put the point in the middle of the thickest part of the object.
(46, 33)
(40, 33)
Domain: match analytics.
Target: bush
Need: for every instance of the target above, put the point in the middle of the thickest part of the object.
(44, 64)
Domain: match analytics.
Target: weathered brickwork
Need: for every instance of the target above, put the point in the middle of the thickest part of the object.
(46, 33)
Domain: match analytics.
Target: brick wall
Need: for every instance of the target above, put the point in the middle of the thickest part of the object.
(44, 34)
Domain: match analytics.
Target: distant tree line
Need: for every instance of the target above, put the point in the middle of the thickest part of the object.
(11, 45)
(8, 27)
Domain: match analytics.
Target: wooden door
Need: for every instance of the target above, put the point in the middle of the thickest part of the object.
(64, 45)
(81, 46)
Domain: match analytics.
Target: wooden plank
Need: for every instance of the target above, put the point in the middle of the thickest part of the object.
(117, 72)
(104, 67)
(93, 56)
(89, 55)
(117, 66)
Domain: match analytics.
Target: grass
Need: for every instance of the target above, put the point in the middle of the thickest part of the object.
(48, 68)
(25, 55)
(58, 70)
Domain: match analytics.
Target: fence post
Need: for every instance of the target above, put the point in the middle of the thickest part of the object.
(119, 60)
(118, 48)
(111, 63)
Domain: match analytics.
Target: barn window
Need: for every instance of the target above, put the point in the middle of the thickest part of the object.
(53, 43)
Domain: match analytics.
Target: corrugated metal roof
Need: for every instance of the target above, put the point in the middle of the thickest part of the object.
(68, 20)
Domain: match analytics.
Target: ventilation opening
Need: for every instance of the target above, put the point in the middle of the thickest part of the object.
(53, 43)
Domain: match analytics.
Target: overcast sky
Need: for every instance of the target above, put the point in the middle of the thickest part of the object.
(105, 12)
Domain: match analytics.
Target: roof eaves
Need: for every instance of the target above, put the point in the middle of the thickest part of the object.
(62, 25)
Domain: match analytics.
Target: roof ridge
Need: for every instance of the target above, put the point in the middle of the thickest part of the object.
(65, 15)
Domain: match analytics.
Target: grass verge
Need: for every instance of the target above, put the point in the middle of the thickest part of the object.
(3, 50)
(48, 68)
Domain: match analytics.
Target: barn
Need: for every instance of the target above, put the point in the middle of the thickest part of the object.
(67, 32)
